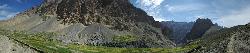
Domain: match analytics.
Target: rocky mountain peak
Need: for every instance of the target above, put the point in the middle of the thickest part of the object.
(178, 30)
(109, 12)
(93, 22)
(199, 28)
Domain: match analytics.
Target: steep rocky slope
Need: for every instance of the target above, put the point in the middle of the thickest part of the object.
(199, 28)
(213, 29)
(179, 30)
(94, 22)
(184, 32)
(229, 40)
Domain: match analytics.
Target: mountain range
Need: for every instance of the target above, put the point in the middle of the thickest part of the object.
(113, 26)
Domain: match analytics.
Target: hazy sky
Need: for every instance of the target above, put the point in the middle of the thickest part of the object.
(224, 12)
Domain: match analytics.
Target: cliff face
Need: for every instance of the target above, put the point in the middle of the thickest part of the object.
(179, 30)
(95, 22)
(199, 28)
(118, 13)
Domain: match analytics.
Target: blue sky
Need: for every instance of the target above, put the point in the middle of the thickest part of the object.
(224, 12)
(9, 8)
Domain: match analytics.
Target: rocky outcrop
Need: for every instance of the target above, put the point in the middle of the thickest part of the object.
(228, 40)
(199, 28)
(178, 30)
(118, 13)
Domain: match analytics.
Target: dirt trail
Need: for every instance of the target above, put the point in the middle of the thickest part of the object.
(230, 46)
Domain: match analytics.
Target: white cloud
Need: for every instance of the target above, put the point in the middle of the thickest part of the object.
(5, 12)
(240, 17)
(160, 19)
(200, 16)
(12, 14)
(152, 3)
(152, 7)
(4, 6)
(185, 8)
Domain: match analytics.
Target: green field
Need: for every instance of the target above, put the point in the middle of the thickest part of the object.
(44, 43)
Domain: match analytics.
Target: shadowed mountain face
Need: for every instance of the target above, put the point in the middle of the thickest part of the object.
(183, 32)
(92, 22)
(178, 30)
(199, 28)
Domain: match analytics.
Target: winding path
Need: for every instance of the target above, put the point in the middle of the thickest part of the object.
(230, 46)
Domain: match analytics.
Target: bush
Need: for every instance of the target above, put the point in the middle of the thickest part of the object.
(125, 38)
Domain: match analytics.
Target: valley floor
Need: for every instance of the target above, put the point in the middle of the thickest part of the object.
(43, 42)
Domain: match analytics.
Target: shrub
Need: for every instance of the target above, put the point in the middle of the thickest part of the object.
(124, 38)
